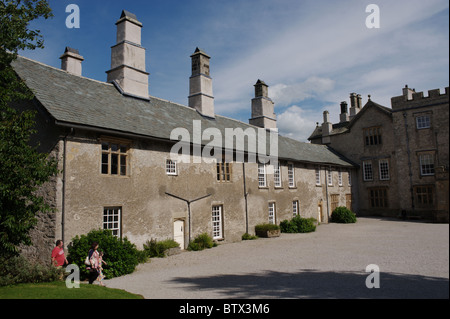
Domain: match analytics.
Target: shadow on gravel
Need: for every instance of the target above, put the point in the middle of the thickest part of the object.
(319, 284)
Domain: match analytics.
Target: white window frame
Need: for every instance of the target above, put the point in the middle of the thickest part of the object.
(426, 164)
(349, 178)
(330, 177)
(272, 213)
(171, 167)
(423, 122)
(112, 220)
(383, 166)
(367, 169)
(291, 175)
(295, 208)
(216, 220)
(262, 177)
(340, 177)
(277, 175)
(318, 181)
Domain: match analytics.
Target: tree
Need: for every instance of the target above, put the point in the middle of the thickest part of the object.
(22, 168)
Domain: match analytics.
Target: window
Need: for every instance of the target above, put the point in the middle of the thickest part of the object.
(334, 201)
(318, 176)
(171, 167)
(217, 222)
(223, 171)
(426, 164)
(384, 169)
(262, 175)
(295, 209)
(349, 178)
(277, 174)
(329, 177)
(272, 219)
(114, 159)
(423, 122)
(340, 178)
(367, 171)
(291, 176)
(112, 219)
(424, 196)
(372, 136)
(378, 197)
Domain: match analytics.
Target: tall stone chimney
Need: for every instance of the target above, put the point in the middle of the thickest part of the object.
(327, 127)
(408, 93)
(71, 61)
(343, 117)
(263, 107)
(128, 58)
(201, 95)
(355, 104)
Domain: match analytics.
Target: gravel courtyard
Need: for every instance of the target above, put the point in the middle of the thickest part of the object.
(413, 259)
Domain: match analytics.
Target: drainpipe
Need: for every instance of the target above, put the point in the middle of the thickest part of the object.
(63, 204)
(326, 188)
(408, 151)
(245, 198)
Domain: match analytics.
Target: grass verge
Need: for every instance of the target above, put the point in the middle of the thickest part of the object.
(58, 290)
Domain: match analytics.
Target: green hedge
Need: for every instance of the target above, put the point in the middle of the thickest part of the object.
(201, 242)
(343, 215)
(154, 248)
(266, 227)
(121, 255)
(298, 225)
(18, 270)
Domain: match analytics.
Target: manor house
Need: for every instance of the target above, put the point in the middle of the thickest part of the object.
(401, 153)
(121, 167)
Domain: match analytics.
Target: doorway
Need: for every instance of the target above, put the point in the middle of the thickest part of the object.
(178, 232)
(319, 213)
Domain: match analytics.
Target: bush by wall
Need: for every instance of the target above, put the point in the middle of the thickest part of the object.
(201, 242)
(158, 249)
(298, 225)
(343, 215)
(121, 255)
(18, 270)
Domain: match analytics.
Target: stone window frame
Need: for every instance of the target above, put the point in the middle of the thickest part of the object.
(424, 196)
(427, 166)
(217, 222)
(223, 171)
(378, 197)
(112, 220)
(171, 167)
(372, 136)
(115, 148)
(291, 175)
(366, 171)
(422, 120)
(384, 172)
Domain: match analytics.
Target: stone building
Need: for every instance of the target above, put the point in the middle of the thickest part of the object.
(401, 153)
(124, 166)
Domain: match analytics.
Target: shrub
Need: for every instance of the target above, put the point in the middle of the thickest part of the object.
(298, 225)
(17, 270)
(201, 242)
(247, 236)
(343, 215)
(121, 255)
(154, 248)
(266, 227)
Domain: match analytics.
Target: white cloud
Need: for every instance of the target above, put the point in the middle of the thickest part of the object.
(313, 87)
(297, 122)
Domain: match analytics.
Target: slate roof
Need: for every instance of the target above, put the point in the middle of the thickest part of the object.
(339, 128)
(72, 99)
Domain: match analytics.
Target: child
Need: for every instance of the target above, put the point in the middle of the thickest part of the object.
(100, 269)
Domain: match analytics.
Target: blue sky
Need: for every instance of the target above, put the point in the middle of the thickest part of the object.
(312, 54)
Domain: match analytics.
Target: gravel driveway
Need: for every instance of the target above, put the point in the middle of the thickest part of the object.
(413, 260)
